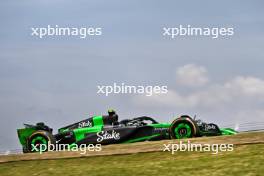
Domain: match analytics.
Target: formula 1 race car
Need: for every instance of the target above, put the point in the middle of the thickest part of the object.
(108, 130)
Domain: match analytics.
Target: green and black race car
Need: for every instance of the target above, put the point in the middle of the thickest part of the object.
(108, 130)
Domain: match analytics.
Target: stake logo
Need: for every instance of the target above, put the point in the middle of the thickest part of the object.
(210, 127)
(104, 135)
(85, 124)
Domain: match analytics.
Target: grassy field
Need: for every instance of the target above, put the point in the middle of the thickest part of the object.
(147, 158)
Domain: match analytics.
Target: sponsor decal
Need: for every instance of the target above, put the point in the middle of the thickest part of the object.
(85, 124)
(105, 135)
(159, 130)
(209, 127)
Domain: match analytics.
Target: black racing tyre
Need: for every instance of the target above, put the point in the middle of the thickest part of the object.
(25, 150)
(39, 141)
(183, 127)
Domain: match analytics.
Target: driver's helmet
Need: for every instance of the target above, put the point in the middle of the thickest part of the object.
(112, 116)
(111, 112)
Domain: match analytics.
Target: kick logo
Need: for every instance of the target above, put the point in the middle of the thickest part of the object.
(104, 135)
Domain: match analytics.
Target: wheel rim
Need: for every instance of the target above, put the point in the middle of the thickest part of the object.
(183, 130)
(38, 142)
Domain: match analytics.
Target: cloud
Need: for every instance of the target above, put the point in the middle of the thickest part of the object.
(232, 100)
(191, 75)
(242, 89)
(247, 86)
(207, 98)
(171, 99)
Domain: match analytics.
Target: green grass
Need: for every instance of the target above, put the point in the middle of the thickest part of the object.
(246, 159)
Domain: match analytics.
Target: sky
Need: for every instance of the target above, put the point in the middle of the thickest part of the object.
(54, 80)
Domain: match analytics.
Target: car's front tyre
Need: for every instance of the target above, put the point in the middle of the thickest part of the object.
(183, 127)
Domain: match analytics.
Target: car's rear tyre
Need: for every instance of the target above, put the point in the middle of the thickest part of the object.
(39, 141)
(183, 128)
